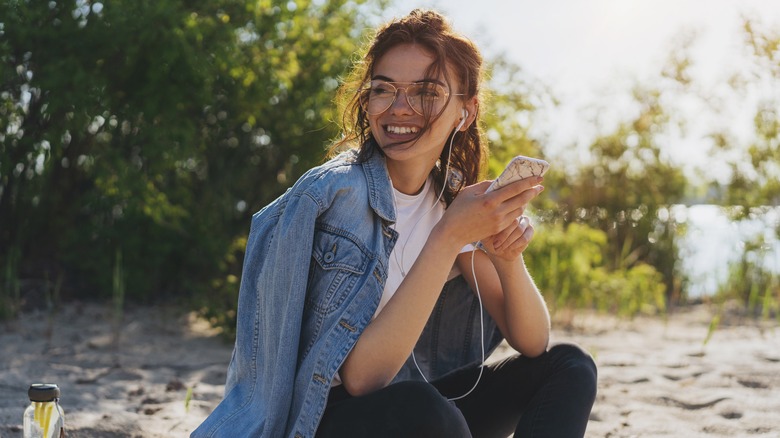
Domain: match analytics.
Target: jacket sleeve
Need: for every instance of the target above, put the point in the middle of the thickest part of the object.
(261, 375)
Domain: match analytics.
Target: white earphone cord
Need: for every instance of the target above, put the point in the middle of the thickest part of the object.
(473, 272)
(438, 199)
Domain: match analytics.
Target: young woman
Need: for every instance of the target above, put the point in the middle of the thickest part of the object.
(364, 308)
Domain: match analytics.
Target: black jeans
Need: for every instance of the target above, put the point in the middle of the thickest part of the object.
(547, 396)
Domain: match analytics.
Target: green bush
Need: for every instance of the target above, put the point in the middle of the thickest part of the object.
(751, 283)
(568, 266)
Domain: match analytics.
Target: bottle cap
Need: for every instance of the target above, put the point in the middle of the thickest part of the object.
(43, 392)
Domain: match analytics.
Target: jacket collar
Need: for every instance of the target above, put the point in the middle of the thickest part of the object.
(380, 194)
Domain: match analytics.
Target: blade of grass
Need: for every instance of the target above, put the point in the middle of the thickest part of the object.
(187, 399)
(711, 330)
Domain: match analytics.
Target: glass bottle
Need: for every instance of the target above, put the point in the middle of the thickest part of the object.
(44, 417)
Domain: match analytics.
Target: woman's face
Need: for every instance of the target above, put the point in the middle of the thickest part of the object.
(396, 129)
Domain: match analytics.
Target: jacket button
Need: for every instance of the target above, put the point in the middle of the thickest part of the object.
(329, 256)
(319, 378)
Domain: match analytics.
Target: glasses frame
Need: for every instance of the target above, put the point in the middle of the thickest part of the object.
(366, 88)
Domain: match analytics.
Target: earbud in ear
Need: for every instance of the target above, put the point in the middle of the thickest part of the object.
(464, 116)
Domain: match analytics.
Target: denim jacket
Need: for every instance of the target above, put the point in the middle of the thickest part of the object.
(314, 270)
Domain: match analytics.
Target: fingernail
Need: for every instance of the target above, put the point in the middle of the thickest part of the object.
(540, 188)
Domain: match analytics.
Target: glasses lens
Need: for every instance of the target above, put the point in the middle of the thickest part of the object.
(378, 96)
(426, 98)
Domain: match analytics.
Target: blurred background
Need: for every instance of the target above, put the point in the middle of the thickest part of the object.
(138, 137)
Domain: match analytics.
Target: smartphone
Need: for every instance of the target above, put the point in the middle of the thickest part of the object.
(519, 167)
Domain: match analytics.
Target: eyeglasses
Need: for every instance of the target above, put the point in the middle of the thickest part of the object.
(425, 98)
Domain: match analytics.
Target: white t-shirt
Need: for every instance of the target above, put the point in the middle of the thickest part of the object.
(416, 215)
(415, 218)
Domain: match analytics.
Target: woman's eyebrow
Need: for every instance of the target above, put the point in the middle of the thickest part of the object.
(381, 78)
(387, 79)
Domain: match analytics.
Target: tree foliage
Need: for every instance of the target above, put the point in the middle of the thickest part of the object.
(625, 190)
(755, 176)
(606, 237)
(157, 128)
(509, 107)
(753, 187)
(147, 132)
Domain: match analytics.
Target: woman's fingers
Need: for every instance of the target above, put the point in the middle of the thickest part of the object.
(513, 199)
(515, 238)
(516, 188)
(515, 207)
(479, 215)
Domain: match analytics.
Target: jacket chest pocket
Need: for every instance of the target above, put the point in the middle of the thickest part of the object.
(338, 263)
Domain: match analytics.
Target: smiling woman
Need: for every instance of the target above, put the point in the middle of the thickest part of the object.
(364, 308)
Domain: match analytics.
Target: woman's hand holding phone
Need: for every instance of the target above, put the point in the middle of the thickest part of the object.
(513, 240)
(477, 214)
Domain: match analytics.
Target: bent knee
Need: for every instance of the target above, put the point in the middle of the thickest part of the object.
(421, 405)
(418, 397)
(577, 364)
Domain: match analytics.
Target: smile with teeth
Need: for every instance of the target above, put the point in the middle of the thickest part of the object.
(401, 129)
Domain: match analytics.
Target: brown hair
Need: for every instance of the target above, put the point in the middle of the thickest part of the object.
(430, 30)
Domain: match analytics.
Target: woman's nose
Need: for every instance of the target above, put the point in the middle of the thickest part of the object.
(401, 103)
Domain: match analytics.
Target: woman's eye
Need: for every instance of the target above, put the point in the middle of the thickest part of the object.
(380, 91)
(427, 92)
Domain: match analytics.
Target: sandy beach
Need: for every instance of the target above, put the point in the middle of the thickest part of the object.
(657, 377)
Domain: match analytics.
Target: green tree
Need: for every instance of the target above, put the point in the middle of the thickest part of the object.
(156, 128)
(626, 188)
(573, 262)
(510, 107)
(755, 177)
(752, 190)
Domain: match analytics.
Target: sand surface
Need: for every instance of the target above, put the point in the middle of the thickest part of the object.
(657, 377)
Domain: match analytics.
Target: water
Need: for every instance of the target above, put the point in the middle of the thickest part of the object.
(713, 241)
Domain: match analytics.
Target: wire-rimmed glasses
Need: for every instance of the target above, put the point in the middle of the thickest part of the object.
(425, 98)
